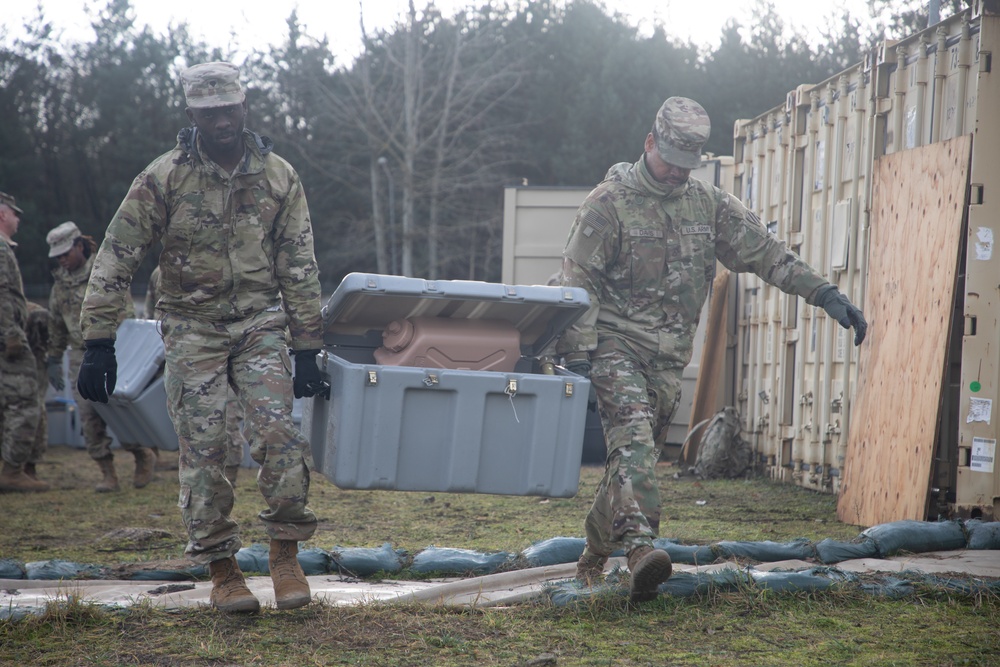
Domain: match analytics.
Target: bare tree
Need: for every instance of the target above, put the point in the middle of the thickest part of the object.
(433, 98)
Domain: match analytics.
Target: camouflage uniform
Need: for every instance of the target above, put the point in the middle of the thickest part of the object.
(65, 302)
(234, 411)
(646, 254)
(19, 413)
(237, 268)
(38, 339)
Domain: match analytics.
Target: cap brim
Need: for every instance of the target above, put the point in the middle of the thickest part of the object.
(213, 101)
(62, 248)
(675, 156)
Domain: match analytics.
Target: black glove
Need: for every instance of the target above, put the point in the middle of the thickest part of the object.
(840, 308)
(307, 381)
(56, 373)
(582, 367)
(99, 370)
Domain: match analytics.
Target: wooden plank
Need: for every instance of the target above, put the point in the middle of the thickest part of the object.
(918, 201)
(708, 388)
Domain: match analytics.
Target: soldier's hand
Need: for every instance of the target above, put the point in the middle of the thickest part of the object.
(14, 346)
(56, 373)
(840, 308)
(308, 381)
(99, 370)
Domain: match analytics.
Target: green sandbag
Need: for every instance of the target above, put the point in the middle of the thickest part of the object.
(767, 551)
(834, 551)
(983, 534)
(916, 536)
(554, 551)
(366, 561)
(458, 561)
(12, 569)
(64, 569)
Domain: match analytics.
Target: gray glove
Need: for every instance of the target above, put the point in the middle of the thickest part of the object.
(840, 308)
(56, 373)
(582, 366)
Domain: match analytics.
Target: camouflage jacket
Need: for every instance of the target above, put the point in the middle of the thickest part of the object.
(646, 254)
(13, 306)
(65, 303)
(233, 245)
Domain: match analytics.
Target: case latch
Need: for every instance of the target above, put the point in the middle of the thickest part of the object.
(569, 390)
(372, 378)
(430, 380)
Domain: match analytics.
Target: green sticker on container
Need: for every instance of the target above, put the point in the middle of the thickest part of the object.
(975, 386)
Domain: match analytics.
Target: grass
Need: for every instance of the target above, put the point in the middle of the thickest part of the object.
(747, 627)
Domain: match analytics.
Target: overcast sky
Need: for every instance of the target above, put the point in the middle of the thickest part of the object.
(256, 21)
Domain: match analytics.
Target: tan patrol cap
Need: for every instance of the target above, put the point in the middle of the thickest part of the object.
(9, 201)
(215, 84)
(682, 128)
(62, 238)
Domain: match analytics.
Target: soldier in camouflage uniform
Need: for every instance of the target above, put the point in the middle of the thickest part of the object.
(19, 412)
(237, 267)
(234, 411)
(644, 245)
(74, 256)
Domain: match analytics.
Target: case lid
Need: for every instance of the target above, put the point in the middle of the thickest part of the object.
(140, 355)
(366, 302)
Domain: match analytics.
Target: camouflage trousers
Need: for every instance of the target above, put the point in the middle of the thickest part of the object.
(19, 411)
(637, 403)
(95, 431)
(203, 359)
(41, 442)
(234, 430)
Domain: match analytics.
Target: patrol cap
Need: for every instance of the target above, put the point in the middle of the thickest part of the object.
(62, 238)
(9, 200)
(215, 84)
(682, 128)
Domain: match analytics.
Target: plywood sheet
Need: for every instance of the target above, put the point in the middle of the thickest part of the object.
(707, 389)
(917, 206)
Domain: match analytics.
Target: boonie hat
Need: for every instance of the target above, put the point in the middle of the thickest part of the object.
(682, 128)
(9, 200)
(62, 238)
(215, 84)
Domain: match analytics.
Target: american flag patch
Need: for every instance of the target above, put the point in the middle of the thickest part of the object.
(595, 221)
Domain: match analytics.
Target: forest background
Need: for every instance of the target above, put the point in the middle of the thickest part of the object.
(405, 150)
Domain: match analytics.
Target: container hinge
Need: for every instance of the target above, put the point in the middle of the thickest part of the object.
(569, 390)
(431, 380)
(372, 378)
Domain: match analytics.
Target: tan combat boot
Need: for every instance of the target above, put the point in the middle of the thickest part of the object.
(110, 482)
(649, 567)
(13, 478)
(291, 589)
(229, 588)
(145, 467)
(590, 568)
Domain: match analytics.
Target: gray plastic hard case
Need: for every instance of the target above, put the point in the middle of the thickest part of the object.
(445, 430)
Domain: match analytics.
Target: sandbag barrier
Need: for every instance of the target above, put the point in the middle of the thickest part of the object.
(880, 541)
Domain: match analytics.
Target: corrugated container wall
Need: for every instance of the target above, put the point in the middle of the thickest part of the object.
(837, 166)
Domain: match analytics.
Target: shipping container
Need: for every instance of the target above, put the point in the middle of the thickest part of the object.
(881, 178)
